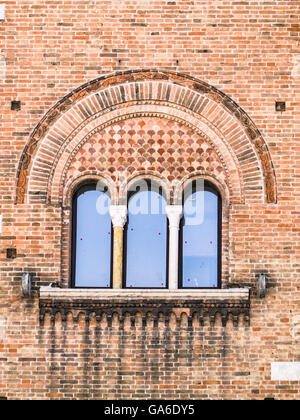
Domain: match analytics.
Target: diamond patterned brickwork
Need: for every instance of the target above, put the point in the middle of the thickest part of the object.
(157, 146)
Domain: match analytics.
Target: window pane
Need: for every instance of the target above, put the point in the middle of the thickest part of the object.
(93, 240)
(146, 241)
(200, 240)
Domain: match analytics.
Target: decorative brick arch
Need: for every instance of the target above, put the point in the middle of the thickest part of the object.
(101, 103)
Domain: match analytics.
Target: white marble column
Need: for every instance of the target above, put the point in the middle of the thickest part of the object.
(174, 214)
(118, 216)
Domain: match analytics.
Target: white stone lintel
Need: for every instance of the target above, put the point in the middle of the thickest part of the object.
(2, 11)
(285, 371)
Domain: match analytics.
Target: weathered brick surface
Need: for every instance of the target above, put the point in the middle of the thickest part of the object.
(248, 51)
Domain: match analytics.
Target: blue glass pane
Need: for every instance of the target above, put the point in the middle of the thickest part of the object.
(200, 240)
(93, 240)
(146, 241)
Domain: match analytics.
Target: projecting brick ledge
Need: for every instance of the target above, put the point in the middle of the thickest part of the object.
(203, 302)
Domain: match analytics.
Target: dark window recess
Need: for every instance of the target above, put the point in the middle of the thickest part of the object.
(146, 239)
(11, 253)
(200, 238)
(3, 398)
(92, 238)
(15, 105)
(280, 106)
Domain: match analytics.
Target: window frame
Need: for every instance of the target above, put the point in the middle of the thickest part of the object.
(208, 186)
(125, 248)
(89, 185)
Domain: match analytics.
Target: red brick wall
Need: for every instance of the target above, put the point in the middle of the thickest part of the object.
(250, 52)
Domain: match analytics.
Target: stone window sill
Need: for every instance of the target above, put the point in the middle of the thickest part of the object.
(209, 302)
(133, 294)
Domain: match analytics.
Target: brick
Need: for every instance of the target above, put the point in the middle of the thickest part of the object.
(215, 72)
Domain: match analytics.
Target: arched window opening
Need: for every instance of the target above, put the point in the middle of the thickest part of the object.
(200, 236)
(146, 237)
(92, 238)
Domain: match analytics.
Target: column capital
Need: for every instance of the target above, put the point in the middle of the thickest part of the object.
(174, 214)
(118, 215)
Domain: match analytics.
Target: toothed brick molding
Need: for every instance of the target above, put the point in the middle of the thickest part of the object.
(107, 101)
(160, 304)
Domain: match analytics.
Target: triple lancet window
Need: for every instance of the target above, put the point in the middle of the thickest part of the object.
(160, 246)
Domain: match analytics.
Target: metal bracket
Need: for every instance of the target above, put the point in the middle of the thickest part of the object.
(26, 285)
(261, 291)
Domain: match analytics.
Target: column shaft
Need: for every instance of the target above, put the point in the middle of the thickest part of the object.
(118, 216)
(118, 258)
(174, 214)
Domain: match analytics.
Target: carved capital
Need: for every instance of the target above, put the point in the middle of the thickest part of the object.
(174, 214)
(118, 215)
